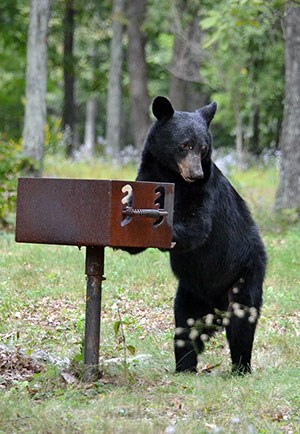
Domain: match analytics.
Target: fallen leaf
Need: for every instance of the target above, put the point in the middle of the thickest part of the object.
(69, 378)
(207, 369)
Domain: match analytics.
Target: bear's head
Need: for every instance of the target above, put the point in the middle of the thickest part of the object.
(182, 141)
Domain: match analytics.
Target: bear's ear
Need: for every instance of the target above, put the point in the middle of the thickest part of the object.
(208, 112)
(162, 108)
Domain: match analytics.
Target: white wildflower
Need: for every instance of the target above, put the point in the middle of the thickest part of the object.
(190, 322)
(193, 334)
(179, 331)
(180, 343)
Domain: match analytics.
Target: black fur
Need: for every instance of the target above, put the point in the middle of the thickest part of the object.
(219, 258)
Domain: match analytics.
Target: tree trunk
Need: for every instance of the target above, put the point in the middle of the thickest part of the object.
(114, 97)
(255, 140)
(88, 149)
(239, 137)
(187, 55)
(178, 92)
(68, 118)
(138, 71)
(288, 194)
(36, 85)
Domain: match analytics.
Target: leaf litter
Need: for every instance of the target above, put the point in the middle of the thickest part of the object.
(15, 366)
(62, 315)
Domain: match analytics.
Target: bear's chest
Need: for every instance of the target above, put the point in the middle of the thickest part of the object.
(188, 206)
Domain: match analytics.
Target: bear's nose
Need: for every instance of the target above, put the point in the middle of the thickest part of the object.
(195, 176)
(190, 168)
(196, 171)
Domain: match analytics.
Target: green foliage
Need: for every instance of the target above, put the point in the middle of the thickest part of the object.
(242, 64)
(246, 69)
(54, 138)
(14, 17)
(119, 329)
(12, 162)
(92, 54)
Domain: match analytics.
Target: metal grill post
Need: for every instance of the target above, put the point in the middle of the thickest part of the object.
(94, 271)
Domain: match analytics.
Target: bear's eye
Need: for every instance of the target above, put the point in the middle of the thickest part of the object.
(186, 145)
(203, 149)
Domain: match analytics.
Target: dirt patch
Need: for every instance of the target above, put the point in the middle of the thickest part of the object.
(15, 366)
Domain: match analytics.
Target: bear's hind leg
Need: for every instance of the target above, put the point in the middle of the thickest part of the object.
(240, 335)
(187, 344)
(245, 303)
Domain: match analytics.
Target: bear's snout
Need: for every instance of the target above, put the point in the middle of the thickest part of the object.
(190, 168)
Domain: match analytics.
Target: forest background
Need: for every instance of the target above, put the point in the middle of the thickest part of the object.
(86, 72)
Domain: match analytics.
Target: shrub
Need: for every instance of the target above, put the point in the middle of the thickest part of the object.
(12, 163)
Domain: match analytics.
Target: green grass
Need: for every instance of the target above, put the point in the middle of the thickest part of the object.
(95, 169)
(42, 300)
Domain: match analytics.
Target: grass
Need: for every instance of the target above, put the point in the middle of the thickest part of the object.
(42, 299)
(62, 168)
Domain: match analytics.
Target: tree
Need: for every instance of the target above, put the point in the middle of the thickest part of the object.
(241, 59)
(288, 194)
(138, 71)
(92, 61)
(187, 54)
(245, 70)
(14, 19)
(36, 84)
(114, 97)
(88, 147)
(68, 118)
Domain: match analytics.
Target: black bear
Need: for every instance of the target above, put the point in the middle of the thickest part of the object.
(219, 257)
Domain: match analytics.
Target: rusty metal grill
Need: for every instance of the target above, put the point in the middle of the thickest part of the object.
(95, 214)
